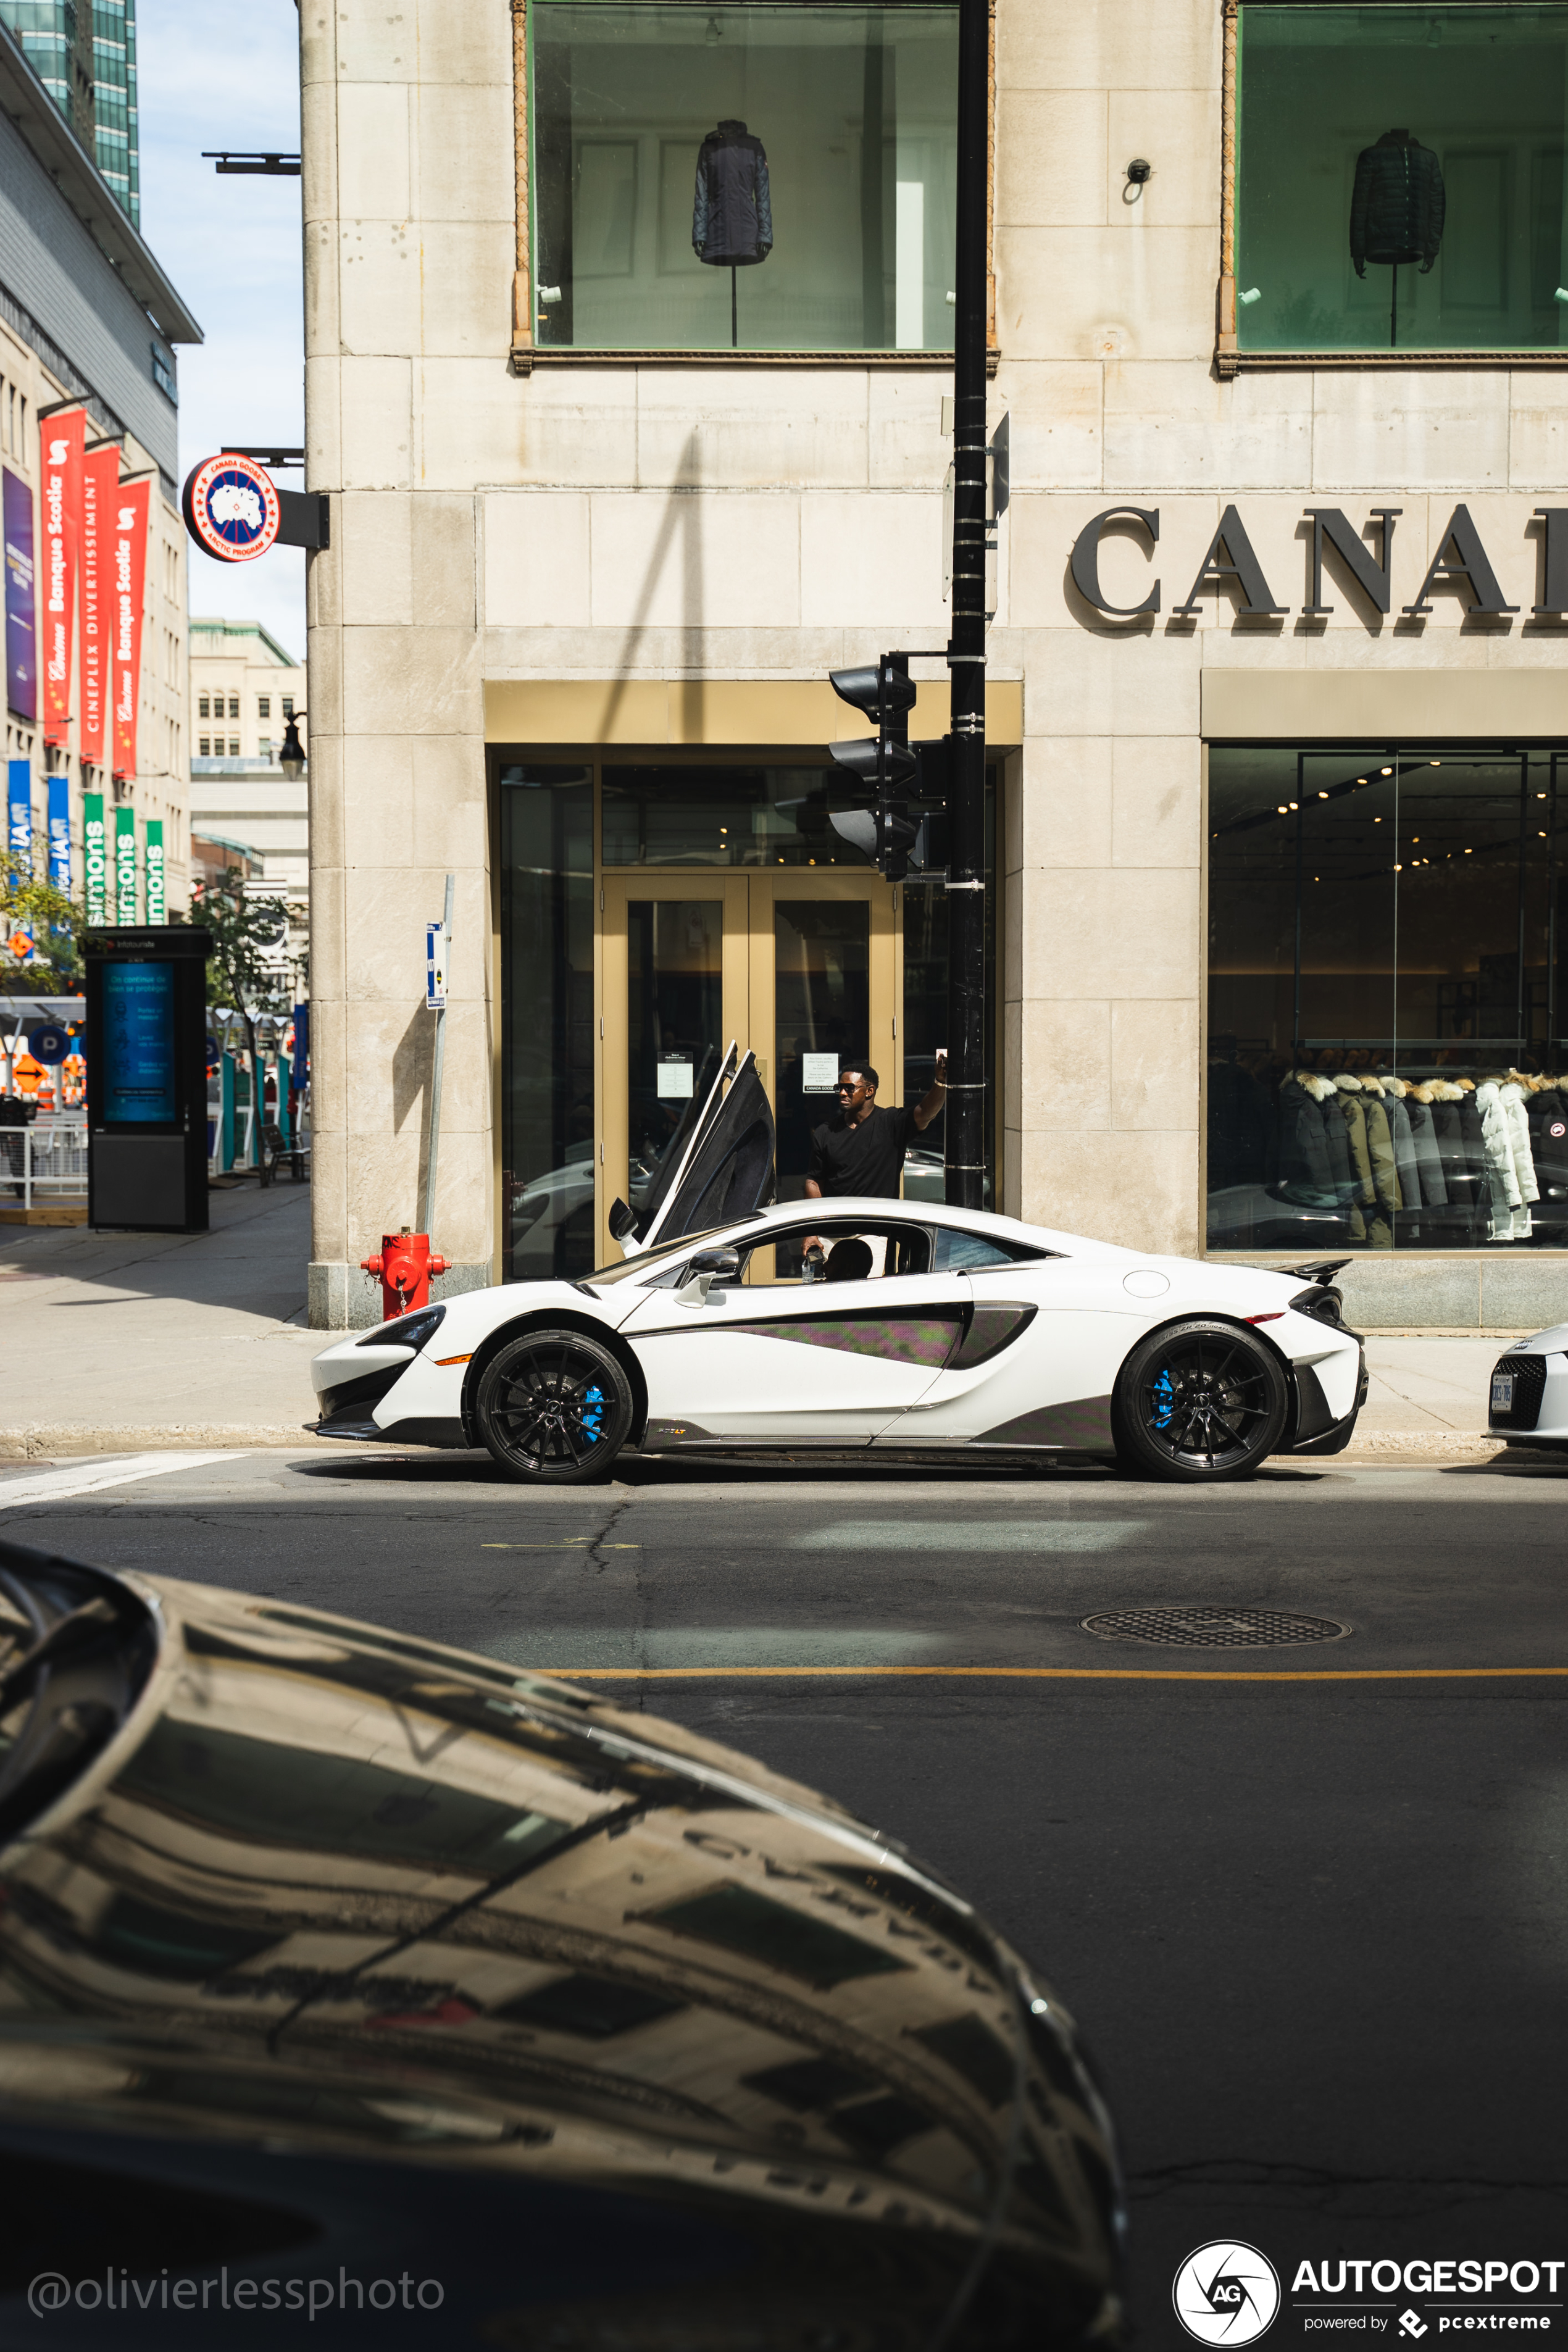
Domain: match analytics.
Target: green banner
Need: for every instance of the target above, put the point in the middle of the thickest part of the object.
(156, 903)
(125, 890)
(96, 860)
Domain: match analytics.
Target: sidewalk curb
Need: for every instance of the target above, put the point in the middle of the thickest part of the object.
(1436, 1444)
(49, 1440)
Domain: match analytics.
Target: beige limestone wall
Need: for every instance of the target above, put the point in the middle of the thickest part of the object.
(658, 524)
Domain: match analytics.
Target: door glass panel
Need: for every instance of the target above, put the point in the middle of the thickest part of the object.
(674, 1020)
(822, 1016)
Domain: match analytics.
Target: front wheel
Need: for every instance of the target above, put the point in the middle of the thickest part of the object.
(1201, 1402)
(555, 1406)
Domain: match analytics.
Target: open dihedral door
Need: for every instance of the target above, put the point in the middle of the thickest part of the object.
(717, 1165)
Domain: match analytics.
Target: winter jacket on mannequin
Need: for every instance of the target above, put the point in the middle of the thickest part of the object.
(1355, 1113)
(1372, 1158)
(1513, 1096)
(1379, 1144)
(1338, 1140)
(1548, 1116)
(732, 215)
(1419, 1103)
(1303, 1154)
(1397, 204)
(1395, 1091)
(1506, 1199)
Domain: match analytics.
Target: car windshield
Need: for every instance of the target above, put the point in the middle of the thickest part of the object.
(633, 1268)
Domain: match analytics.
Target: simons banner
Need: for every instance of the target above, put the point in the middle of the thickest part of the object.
(100, 487)
(125, 875)
(61, 437)
(95, 859)
(130, 568)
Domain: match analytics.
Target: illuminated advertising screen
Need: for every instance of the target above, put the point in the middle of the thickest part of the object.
(137, 1085)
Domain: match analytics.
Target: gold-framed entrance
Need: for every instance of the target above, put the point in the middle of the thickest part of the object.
(801, 967)
(792, 937)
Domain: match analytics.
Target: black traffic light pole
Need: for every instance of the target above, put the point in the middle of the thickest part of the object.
(965, 1125)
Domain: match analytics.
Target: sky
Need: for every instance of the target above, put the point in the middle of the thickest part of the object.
(225, 73)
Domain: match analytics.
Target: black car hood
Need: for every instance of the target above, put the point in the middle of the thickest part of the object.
(330, 1897)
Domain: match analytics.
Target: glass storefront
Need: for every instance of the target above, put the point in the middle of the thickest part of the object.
(1387, 999)
(1400, 176)
(722, 906)
(766, 177)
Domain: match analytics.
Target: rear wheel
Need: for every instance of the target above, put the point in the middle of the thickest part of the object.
(555, 1406)
(1201, 1402)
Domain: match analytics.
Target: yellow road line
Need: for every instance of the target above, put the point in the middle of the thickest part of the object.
(1057, 1673)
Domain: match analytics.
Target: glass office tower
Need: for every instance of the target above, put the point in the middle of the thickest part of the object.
(85, 56)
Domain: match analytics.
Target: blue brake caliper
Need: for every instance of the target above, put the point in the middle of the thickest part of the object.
(593, 1416)
(1165, 1401)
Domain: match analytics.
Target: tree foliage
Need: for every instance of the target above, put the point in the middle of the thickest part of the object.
(242, 969)
(55, 919)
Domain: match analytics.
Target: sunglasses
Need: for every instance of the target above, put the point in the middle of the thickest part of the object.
(850, 1086)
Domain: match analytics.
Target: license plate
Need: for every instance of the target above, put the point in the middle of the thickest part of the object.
(1502, 1392)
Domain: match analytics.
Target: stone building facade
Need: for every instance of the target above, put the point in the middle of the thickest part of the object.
(1278, 642)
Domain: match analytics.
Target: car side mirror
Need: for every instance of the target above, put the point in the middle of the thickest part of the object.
(622, 1221)
(707, 1267)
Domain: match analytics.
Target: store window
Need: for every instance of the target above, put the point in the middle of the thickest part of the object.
(1400, 176)
(767, 177)
(1387, 999)
(547, 1038)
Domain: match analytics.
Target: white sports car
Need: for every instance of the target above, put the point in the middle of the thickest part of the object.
(929, 1330)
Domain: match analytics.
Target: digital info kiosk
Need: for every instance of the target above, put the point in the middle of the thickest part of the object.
(146, 1078)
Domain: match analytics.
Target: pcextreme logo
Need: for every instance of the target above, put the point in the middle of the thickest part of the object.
(1227, 2293)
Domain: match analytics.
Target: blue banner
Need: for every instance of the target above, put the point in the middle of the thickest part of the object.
(19, 812)
(60, 832)
(301, 1077)
(21, 620)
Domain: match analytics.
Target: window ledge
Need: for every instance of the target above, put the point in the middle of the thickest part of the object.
(526, 358)
(1234, 363)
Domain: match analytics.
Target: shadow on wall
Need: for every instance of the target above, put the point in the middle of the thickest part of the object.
(681, 525)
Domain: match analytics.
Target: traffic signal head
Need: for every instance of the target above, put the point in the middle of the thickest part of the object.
(860, 759)
(881, 690)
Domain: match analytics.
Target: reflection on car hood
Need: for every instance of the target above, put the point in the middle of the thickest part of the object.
(373, 1900)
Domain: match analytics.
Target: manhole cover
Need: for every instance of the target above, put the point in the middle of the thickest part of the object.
(1212, 1629)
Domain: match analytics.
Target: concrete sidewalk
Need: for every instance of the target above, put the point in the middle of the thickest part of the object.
(127, 1341)
(131, 1341)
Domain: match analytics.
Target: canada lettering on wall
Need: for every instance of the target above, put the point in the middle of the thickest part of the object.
(1459, 562)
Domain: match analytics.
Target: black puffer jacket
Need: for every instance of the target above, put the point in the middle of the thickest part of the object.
(733, 218)
(1397, 204)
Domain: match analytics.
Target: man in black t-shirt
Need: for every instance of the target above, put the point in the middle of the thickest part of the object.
(861, 1153)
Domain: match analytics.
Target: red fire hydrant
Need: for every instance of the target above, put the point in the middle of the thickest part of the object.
(406, 1264)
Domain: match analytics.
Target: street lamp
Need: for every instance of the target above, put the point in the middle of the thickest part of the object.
(292, 757)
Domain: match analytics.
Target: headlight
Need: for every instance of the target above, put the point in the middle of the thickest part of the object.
(407, 1331)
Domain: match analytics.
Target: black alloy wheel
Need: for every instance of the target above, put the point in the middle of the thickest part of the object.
(554, 1406)
(1200, 1401)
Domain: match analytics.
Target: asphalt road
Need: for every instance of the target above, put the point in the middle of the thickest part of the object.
(1309, 1904)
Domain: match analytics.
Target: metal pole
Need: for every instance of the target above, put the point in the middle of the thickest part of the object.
(965, 1123)
(429, 1208)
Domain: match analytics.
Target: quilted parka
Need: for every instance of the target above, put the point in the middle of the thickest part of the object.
(1397, 202)
(732, 215)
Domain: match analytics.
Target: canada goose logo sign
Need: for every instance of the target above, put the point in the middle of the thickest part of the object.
(232, 508)
(1227, 2293)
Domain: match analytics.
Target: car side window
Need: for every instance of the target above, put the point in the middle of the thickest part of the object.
(891, 1247)
(960, 1253)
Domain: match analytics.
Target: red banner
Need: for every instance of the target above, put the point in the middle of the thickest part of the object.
(129, 583)
(61, 437)
(100, 487)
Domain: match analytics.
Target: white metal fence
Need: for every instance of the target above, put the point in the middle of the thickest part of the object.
(44, 1162)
